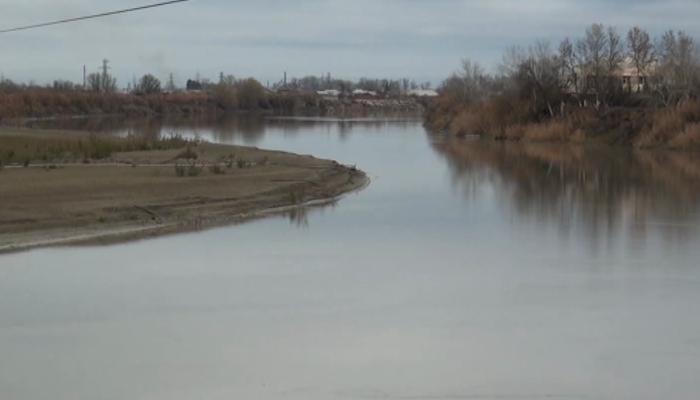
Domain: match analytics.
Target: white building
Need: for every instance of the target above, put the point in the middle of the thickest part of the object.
(423, 93)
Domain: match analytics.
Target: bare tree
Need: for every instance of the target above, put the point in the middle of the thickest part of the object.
(568, 66)
(591, 51)
(678, 65)
(472, 75)
(640, 50)
(98, 82)
(615, 56)
(148, 84)
(615, 52)
(539, 77)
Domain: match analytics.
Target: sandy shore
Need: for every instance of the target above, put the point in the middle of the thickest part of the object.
(139, 194)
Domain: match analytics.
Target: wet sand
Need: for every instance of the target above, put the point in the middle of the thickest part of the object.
(136, 195)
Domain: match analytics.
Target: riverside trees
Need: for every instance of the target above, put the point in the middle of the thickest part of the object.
(629, 87)
(595, 70)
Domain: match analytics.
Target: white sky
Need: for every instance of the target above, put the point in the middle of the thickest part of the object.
(419, 39)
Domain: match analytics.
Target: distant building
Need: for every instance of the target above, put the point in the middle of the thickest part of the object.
(632, 79)
(329, 94)
(364, 93)
(423, 93)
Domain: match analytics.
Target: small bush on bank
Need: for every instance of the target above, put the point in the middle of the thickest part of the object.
(194, 170)
(188, 170)
(216, 169)
(296, 196)
(180, 170)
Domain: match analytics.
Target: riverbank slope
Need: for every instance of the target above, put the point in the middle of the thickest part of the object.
(134, 194)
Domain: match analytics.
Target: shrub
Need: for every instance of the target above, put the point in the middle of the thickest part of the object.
(180, 170)
(216, 169)
(296, 196)
(190, 170)
(194, 170)
(229, 162)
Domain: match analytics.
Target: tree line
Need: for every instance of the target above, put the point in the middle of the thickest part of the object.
(627, 88)
(588, 71)
(388, 87)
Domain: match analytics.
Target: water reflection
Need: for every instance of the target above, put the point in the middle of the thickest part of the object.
(601, 190)
(248, 128)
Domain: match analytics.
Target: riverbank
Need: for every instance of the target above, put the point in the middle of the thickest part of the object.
(38, 104)
(174, 187)
(674, 127)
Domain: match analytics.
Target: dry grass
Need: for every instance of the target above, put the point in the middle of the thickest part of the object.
(676, 127)
(550, 131)
(19, 147)
(47, 103)
(688, 138)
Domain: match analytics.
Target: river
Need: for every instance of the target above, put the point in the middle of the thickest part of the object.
(464, 271)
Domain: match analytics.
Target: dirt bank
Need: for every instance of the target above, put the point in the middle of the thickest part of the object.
(133, 195)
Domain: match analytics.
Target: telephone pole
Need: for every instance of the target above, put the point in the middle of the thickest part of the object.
(105, 74)
(105, 67)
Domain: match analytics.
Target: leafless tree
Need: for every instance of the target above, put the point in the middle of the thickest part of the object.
(678, 64)
(148, 84)
(98, 82)
(592, 52)
(615, 52)
(540, 75)
(614, 58)
(641, 50)
(472, 75)
(568, 66)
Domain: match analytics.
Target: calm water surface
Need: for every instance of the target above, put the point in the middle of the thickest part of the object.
(465, 271)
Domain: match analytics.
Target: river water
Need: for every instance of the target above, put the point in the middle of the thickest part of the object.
(464, 271)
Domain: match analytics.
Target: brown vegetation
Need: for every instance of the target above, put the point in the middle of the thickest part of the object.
(594, 89)
(43, 103)
(22, 147)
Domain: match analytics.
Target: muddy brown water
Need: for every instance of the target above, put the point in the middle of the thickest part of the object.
(464, 271)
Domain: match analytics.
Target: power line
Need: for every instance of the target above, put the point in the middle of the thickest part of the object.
(93, 16)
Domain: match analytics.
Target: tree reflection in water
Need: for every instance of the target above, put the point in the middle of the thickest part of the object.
(600, 190)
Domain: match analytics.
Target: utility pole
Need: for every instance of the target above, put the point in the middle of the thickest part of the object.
(105, 74)
(84, 77)
(105, 67)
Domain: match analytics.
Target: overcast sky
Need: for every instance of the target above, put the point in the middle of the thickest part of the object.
(419, 39)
